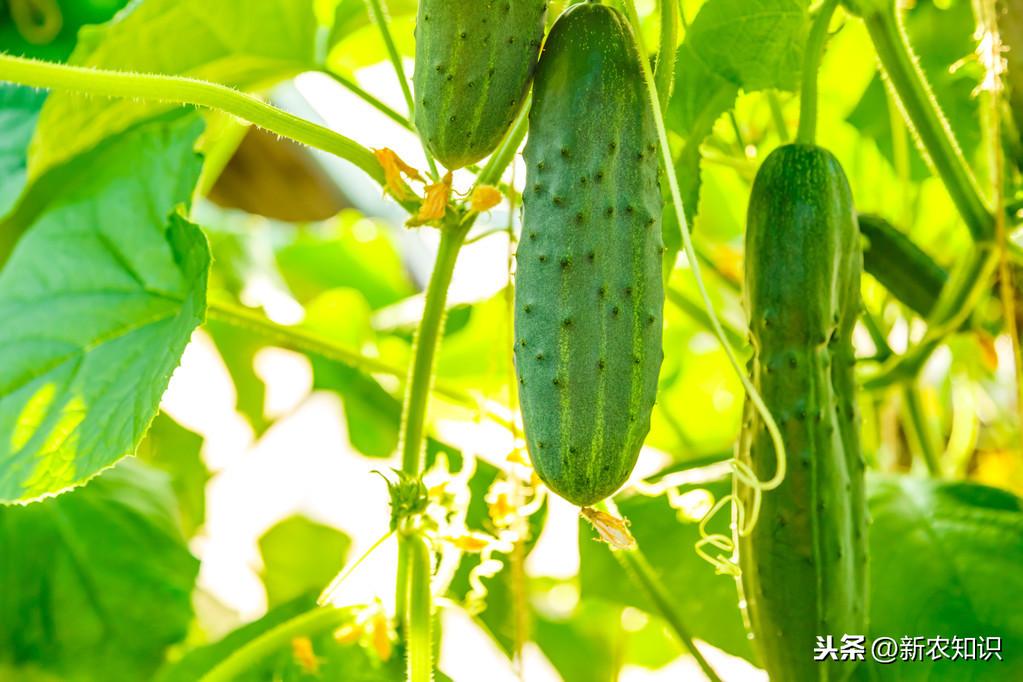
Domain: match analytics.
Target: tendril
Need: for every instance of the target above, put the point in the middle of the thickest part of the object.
(744, 520)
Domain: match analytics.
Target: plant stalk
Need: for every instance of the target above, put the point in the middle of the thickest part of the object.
(922, 110)
(187, 91)
(419, 624)
(635, 564)
(808, 99)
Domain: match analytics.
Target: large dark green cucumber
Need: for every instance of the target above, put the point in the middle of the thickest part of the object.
(804, 566)
(589, 301)
(474, 62)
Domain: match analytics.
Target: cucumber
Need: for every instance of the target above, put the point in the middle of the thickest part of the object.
(474, 62)
(900, 265)
(804, 565)
(589, 301)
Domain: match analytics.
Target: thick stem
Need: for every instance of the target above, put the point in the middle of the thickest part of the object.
(928, 122)
(308, 624)
(807, 133)
(636, 565)
(413, 419)
(187, 91)
(419, 623)
(424, 349)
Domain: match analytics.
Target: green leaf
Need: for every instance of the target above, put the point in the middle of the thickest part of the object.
(72, 15)
(19, 109)
(300, 557)
(175, 450)
(238, 349)
(351, 252)
(753, 44)
(731, 45)
(706, 602)
(946, 560)
(245, 45)
(98, 300)
(95, 584)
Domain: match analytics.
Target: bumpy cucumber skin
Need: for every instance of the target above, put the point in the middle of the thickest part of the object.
(804, 566)
(589, 300)
(474, 63)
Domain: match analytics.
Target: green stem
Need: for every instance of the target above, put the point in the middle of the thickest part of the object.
(697, 313)
(968, 282)
(350, 85)
(505, 152)
(777, 115)
(187, 91)
(311, 623)
(303, 341)
(884, 351)
(413, 419)
(643, 574)
(664, 72)
(918, 103)
(378, 15)
(920, 429)
(424, 349)
(419, 626)
(807, 133)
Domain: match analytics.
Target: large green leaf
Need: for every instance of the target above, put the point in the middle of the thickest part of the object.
(19, 109)
(246, 45)
(300, 557)
(98, 301)
(95, 584)
(176, 450)
(946, 561)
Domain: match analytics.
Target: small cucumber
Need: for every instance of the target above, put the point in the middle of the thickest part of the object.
(474, 62)
(589, 299)
(804, 565)
(900, 265)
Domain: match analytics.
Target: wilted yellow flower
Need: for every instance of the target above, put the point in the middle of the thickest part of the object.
(302, 650)
(612, 530)
(470, 542)
(349, 633)
(484, 198)
(394, 169)
(435, 205)
(380, 635)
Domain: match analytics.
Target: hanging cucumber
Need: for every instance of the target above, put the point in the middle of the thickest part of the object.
(589, 299)
(804, 565)
(474, 62)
